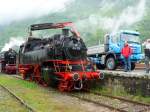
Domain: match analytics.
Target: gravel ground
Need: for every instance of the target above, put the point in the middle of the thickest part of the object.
(72, 101)
(9, 104)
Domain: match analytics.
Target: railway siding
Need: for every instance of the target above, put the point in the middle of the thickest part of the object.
(10, 104)
(114, 103)
(37, 97)
(46, 100)
(31, 109)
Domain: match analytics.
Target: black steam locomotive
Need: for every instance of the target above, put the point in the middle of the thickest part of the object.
(61, 58)
(8, 61)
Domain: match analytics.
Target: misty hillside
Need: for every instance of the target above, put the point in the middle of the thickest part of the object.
(93, 19)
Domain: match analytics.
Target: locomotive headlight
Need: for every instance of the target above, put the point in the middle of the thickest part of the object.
(75, 77)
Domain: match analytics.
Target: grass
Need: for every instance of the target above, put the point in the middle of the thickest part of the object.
(39, 98)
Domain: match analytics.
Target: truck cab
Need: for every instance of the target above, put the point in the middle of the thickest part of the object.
(111, 57)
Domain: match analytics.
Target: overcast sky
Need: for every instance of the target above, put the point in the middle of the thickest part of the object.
(14, 10)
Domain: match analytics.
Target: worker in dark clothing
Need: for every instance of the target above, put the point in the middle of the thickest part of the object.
(147, 54)
(126, 53)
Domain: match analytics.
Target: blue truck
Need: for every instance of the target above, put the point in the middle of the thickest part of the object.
(108, 55)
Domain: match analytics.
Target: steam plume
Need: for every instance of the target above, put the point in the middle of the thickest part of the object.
(128, 16)
(13, 43)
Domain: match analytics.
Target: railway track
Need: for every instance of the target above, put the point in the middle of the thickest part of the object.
(22, 102)
(114, 103)
(136, 106)
(118, 104)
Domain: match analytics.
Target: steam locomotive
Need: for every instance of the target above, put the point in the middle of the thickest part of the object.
(8, 61)
(60, 60)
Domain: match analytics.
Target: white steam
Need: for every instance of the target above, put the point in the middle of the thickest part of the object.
(128, 17)
(14, 10)
(13, 43)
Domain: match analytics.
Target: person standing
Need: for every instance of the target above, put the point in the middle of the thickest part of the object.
(126, 53)
(147, 54)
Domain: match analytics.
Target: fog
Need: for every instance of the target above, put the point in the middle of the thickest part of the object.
(15, 10)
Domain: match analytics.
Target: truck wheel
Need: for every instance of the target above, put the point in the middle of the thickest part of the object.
(110, 63)
(132, 66)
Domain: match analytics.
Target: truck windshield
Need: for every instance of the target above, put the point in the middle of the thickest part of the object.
(130, 38)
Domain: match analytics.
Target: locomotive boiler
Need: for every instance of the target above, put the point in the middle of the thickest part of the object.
(59, 60)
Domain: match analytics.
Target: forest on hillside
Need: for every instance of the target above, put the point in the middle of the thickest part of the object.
(93, 20)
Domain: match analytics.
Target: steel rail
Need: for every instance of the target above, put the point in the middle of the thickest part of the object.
(21, 101)
(123, 100)
(119, 98)
(97, 103)
(83, 99)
